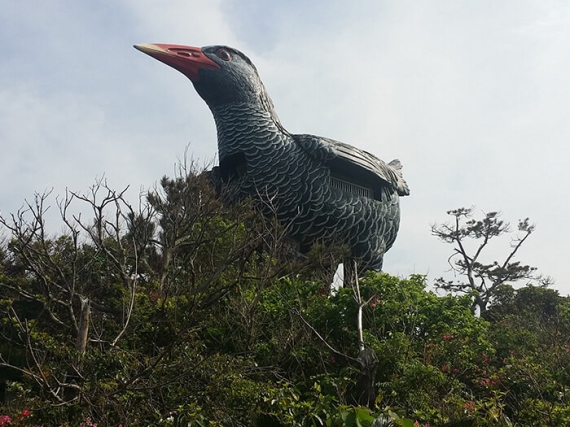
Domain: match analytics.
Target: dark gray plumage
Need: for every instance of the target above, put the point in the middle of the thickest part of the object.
(322, 189)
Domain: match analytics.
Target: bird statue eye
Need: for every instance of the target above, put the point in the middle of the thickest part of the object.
(224, 54)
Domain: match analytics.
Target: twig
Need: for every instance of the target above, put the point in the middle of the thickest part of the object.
(331, 348)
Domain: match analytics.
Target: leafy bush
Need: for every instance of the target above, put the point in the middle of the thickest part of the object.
(196, 313)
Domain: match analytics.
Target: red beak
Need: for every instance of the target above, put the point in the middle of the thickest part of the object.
(186, 59)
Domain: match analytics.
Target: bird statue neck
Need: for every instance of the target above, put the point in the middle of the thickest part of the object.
(240, 124)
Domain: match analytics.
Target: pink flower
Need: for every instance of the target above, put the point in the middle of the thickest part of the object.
(25, 413)
(88, 423)
(5, 420)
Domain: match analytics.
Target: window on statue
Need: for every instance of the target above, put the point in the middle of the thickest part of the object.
(350, 187)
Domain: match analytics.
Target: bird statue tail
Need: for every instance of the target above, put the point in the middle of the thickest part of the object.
(402, 185)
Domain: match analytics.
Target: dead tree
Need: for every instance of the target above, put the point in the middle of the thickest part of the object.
(53, 286)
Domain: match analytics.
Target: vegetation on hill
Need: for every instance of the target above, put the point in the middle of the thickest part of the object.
(188, 312)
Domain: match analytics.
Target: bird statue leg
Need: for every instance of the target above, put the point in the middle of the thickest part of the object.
(351, 267)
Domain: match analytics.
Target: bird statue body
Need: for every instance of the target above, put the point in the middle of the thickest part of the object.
(322, 190)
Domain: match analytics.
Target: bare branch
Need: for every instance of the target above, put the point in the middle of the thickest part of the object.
(331, 348)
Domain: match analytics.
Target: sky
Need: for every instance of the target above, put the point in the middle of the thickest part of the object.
(472, 97)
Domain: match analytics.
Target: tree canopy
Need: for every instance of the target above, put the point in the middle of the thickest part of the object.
(483, 279)
(188, 311)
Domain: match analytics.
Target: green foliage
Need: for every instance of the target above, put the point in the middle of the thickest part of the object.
(200, 317)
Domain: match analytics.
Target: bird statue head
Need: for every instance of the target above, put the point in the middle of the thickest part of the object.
(221, 75)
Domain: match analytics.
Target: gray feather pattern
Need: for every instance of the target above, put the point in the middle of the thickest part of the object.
(324, 190)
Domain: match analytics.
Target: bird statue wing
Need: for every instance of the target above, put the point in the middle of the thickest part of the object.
(348, 159)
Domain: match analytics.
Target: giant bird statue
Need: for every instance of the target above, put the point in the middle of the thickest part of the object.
(322, 189)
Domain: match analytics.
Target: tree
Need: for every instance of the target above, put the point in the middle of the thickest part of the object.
(70, 303)
(482, 279)
(53, 288)
(123, 305)
(187, 311)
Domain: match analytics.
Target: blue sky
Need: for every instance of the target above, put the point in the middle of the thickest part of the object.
(472, 97)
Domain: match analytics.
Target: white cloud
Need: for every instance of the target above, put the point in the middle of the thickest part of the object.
(471, 96)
